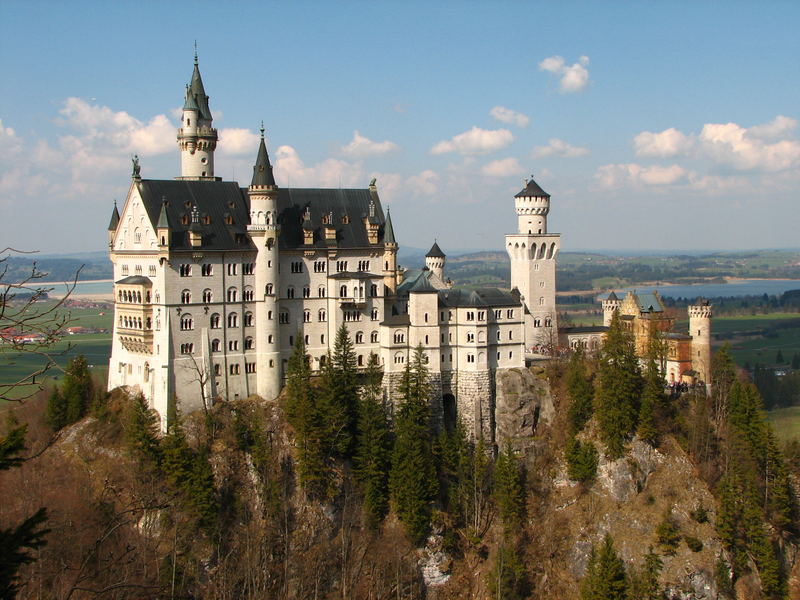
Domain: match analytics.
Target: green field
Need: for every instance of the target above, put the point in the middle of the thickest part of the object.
(786, 422)
(757, 338)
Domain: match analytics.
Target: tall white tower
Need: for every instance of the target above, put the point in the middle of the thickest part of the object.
(700, 330)
(197, 139)
(263, 230)
(533, 254)
(434, 260)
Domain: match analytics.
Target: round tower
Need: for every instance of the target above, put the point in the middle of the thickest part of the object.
(610, 304)
(263, 230)
(434, 260)
(700, 331)
(197, 139)
(532, 205)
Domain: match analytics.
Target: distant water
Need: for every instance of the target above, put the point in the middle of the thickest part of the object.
(82, 288)
(745, 287)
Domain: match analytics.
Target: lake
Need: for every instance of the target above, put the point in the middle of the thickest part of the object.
(744, 287)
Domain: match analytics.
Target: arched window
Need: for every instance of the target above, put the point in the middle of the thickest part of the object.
(248, 294)
(232, 294)
(541, 300)
(306, 291)
(248, 319)
(306, 316)
(215, 345)
(373, 337)
(214, 321)
(359, 337)
(207, 296)
(373, 290)
(249, 343)
(322, 315)
(399, 336)
(186, 297)
(343, 291)
(233, 320)
(187, 323)
(137, 236)
(374, 314)
(321, 291)
(290, 292)
(268, 289)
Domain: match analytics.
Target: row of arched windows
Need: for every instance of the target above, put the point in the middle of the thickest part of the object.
(132, 296)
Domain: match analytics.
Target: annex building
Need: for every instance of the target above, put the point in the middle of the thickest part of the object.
(213, 281)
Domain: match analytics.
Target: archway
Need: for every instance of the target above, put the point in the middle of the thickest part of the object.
(450, 414)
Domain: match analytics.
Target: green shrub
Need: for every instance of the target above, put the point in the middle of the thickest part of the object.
(694, 544)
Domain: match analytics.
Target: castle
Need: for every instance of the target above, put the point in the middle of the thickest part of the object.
(213, 281)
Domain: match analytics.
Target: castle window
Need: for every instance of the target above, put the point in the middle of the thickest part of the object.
(232, 268)
(297, 267)
(510, 355)
(470, 358)
(541, 300)
(319, 266)
(217, 370)
(470, 337)
(498, 314)
(233, 345)
(207, 296)
(537, 322)
(185, 270)
(322, 339)
(511, 333)
(232, 294)
(470, 316)
(187, 348)
(425, 317)
(373, 290)
(228, 217)
(399, 358)
(186, 297)
(498, 335)
(270, 339)
(541, 284)
(269, 315)
(306, 292)
(345, 219)
(363, 265)
(306, 316)
(343, 291)
(268, 289)
(206, 270)
(184, 219)
(536, 267)
(341, 265)
(248, 319)
(124, 269)
(138, 269)
(290, 292)
(481, 337)
(360, 360)
(399, 337)
(250, 367)
(510, 313)
(248, 295)
(151, 270)
(373, 337)
(283, 317)
(498, 356)
(321, 291)
(359, 338)
(322, 315)
(214, 321)
(248, 268)
(206, 220)
(449, 315)
(374, 314)
(426, 340)
(481, 315)
(187, 323)
(233, 320)
(215, 345)
(305, 340)
(548, 322)
(234, 369)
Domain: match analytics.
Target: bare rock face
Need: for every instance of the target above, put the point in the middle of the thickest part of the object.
(627, 476)
(434, 563)
(522, 405)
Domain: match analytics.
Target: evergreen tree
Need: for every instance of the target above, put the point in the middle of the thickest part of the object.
(77, 388)
(796, 361)
(652, 398)
(723, 376)
(372, 445)
(618, 388)
(141, 430)
(581, 460)
(346, 396)
(605, 577)
(580, 391)
(509, 490)
(56, 411)
(412, 480)
(779, 360)
(507, 579)
(644, 582)
(668, 534)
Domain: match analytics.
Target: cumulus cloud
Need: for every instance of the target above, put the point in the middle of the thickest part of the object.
(236, 141)
(293, 172)
(779, 127)
(669, 142)
(10, 144)
(423, 184)
(572, 78)
(502, 168)
(557, 147)
(361, 146)
(733, 145)
(512, 117)
(618, 175)
(475, 141)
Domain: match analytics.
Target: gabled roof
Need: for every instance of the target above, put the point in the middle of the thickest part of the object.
(435, 252)
(532, 189)
(649, 302)
(135, 280)
(112, 226)
(481, 297)
(422, 286)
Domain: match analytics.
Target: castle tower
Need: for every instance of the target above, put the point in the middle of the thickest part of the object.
(700, 329)
(389, 256)
(197, 139)
(434, 260)
(263, 230)
(112, 225)
(533, 254)
(610, 304)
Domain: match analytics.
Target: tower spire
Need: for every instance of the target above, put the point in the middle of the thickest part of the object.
(262, 170)
(197, 138)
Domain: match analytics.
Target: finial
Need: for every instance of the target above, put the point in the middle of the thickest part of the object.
(195, 53)
(262, 129)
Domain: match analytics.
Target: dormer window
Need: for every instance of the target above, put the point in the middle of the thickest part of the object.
(184, 219)
(345, 220)
(228, 219)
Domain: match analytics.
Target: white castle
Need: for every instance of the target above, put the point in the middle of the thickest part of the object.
(214, 281)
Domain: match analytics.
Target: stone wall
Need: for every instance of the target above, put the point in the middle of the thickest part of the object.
(523, 406)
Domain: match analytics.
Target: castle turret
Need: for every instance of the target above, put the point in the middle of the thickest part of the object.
(197, 139)
(263, 230)
(389, 256)
(112, 226)
(610, 304)
(533, 254)
(700, 329)
(434, 260)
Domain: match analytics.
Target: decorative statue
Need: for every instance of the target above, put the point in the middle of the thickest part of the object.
(136, 168)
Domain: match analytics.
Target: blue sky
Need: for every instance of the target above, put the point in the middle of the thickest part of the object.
(652, 125)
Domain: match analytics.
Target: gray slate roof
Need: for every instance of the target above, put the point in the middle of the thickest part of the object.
(436, 252)
(532, 189)
(135, 280)
(198, 92)
(481, 297)
(112, 226)
(262, 170)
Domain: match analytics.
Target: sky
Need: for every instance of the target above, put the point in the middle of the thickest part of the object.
(654, 126)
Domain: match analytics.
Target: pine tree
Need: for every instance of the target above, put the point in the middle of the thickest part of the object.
(507, 579)
(372, 446)
(77, 388)
(644, 582)
(346, 397)
(412, 481)
(652, 398)
(723, 376)
(618, 388)
(779, 360)
(56, 412)
(580, 391)
(581, 460)
(141, 430)
(668, 534)
(605, 577)
(509, 490)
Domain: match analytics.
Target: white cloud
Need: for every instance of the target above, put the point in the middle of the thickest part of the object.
(291, 171)
(475, 141)
(361, 146)
(512, 117)
(10, 144)
(235, 141)
(389, 184)
(423, 184)
(618, 175)
(572, 78)
(669, 142)
(733, 145)
(557, 147)
(504, 167)
(779, 126)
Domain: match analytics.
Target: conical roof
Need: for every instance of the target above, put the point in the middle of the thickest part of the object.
(435, 252)
(532, 189)
(262, 171)
(190, 103)
(112, 226)
(163, 220)
(388, 230)
(197, 90)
